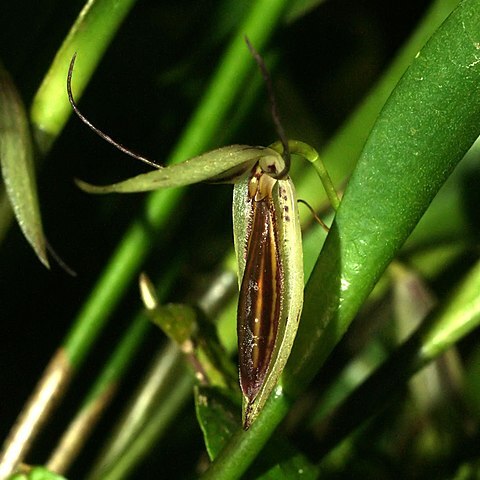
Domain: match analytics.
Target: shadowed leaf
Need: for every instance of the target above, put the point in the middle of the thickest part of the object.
(16, 159)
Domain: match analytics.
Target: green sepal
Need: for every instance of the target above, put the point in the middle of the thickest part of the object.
(289, 240)
(222, 165)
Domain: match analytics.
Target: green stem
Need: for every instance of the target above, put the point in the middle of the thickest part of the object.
(312, 156)
(306, 151)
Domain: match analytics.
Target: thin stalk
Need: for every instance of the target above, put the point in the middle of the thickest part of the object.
(153, 396)
(98, 399)
(314, 158)
(296, 147)
(41, 403)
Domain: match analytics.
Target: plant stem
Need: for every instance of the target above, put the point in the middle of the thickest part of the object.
(41, 403)
(98, 398)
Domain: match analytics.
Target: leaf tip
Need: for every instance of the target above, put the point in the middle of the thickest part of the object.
(88, 187)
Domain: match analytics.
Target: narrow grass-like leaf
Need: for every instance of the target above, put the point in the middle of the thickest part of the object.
(422, 133)
(299, 8)
(445, 326)
(90, 36)
(459, 317)
(16, 159)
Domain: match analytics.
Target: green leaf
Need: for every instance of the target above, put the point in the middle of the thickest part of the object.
(177, 321)
(423, 131)
(218, 416)
(16, 160)
(90, 36)
(459, 316)
(37, 473)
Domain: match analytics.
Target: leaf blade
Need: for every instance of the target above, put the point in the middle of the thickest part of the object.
(421, 134)
(16, 160)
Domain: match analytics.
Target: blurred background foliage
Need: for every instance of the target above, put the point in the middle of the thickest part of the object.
(142, 93)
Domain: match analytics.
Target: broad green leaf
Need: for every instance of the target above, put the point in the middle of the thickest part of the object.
(16, 160)
(424, 130)
(221, 165)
